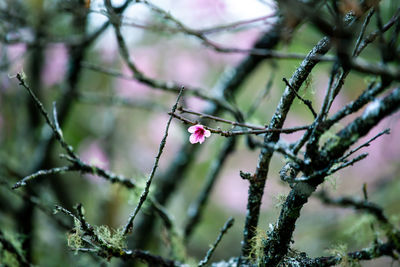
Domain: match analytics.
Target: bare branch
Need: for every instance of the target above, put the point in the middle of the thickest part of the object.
(143, 196)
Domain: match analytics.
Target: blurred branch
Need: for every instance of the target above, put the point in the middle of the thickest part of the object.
(155, 84)
(210, 30)
(201, 35)
(112, 100)
(372, 36)
(36, 202)
(357, 204)
(9, 246)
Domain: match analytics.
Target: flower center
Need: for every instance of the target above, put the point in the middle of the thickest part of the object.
(199, 131)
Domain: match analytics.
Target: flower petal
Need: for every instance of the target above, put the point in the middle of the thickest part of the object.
(201, 139)
(193, 139)
(207, 133)
(192, 129)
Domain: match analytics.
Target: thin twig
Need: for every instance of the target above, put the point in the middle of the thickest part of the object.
(206, 116)
(143, 196)
(35, 201)
(219, 48)
(42, 110)
(79, 165)
(306, 102)
(362, 32)
(224, 229)
(245, 132)
(28, 178)
(347, 164)
(141, 77)
(386, 131)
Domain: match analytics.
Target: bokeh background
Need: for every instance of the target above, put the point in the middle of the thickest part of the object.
(125, 140)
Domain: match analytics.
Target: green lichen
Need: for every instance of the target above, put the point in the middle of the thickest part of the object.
(360, 229)
(74, 239)
(178, 249)
(111, 237)
(332, 181)
(257, 248)
(279, 200)
(340, 250)
(8, 259)
(330, 140)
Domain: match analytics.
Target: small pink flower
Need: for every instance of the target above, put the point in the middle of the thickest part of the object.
(199, 134)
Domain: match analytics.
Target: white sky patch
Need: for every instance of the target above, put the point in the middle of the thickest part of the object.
(245, 10)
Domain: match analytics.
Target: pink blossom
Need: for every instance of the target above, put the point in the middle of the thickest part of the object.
(199, 134)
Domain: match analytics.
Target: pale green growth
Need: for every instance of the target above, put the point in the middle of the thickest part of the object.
(332, 180)
(178, 248)
(370, 79)
(111, 237)
(340, 250)
(74, 240)
(176, 245)
(133, 195)
(257, 241)
(8, 259)
(331, 137)
(279, 200)
(394, 219)
(309, 84)
(360, 229)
